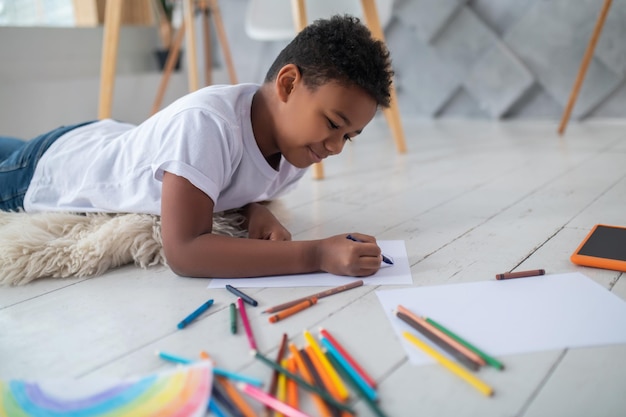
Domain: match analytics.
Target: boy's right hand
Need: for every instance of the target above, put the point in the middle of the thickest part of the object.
(341, 256)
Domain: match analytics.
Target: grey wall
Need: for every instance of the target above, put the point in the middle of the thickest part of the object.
(487, 59)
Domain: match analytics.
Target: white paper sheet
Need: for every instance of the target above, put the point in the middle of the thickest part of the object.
(515, 316)
(397, 274)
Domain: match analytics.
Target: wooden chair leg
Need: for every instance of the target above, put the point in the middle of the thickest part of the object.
(583, 66)
(190, 41)
(221, 35)
(206, 33)
(170, 63)
(110, 43)
(392, 114)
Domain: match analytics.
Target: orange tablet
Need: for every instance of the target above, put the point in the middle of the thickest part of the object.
(604, 247)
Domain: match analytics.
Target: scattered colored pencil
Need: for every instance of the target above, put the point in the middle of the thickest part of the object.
(196, 313)
(302, 383)
(293, 310)
(318, 295)
(444, 338)
(357, 387)
(241, 294)
(233, 318)
(279, 357)
(266, 399)
(369, 391)
(246, 323)
(426, 330)
(310, 376)
(340, 388)
(490, 360)
(370, 381)
(450, 365)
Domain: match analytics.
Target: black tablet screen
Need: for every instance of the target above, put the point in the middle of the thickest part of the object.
(606, 242)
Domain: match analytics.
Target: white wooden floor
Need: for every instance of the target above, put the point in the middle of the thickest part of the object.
(470, 200)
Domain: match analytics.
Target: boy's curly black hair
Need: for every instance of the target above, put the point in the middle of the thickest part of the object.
(339, 49)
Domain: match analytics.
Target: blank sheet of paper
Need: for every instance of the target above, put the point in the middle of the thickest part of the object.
(397, 274)
(515, 316)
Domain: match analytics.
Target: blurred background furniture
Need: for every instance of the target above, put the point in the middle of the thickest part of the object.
(269, 20)
(112, 22)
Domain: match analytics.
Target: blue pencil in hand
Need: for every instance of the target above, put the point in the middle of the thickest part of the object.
(386, 259)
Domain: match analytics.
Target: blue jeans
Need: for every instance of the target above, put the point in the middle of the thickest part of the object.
(18, 160)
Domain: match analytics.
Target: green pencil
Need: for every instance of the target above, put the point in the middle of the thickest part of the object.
(322, 393)
(233, 318)
(348, 378)
(490, 360)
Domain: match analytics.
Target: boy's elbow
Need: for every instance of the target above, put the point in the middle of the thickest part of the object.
(180, 262)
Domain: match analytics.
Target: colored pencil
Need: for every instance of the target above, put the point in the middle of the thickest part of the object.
(233, 318)
(266, 399)
(370, 381)
(234, 394)
(521, 274)
(436, 339)
(219, 393)
(318, 295)
(216, 371)
(301, 382)
(292, 310)
(195, 314)
(215, 409)
(357, 387)
(309, 375)
(292, 386)
(490, 360)
(241, 294)
(450, 365)
(469, 354)
(369, 391)
(279, 357)
(246, 323)
(337, 386)
(281, 387)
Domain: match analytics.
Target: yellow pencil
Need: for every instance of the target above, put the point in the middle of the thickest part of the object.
(450, 365)
(337, 383)
(281, 387)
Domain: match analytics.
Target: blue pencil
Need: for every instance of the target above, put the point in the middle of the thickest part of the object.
(195, 314)
(367, 390)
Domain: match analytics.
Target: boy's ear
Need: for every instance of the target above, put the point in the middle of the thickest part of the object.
(286, 79)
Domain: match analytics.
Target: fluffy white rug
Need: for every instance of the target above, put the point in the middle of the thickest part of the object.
(61, 245)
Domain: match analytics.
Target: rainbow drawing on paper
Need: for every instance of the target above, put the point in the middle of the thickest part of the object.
(182, 392)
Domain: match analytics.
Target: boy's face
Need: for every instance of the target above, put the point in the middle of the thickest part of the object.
(314, 124)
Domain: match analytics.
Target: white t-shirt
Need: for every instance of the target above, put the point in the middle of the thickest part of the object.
(205, 137)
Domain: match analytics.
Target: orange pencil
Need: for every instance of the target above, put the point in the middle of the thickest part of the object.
(323, 373)
(293, 310)
(292, 386)
(450, 341)
(306, 375)
(233, 392)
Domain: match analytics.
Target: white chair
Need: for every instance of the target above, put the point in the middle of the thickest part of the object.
(271, 20)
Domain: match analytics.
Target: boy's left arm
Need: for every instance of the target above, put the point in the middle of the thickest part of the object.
(262, 224)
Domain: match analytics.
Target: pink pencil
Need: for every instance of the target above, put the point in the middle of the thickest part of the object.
(246, 323)
(264, 398)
